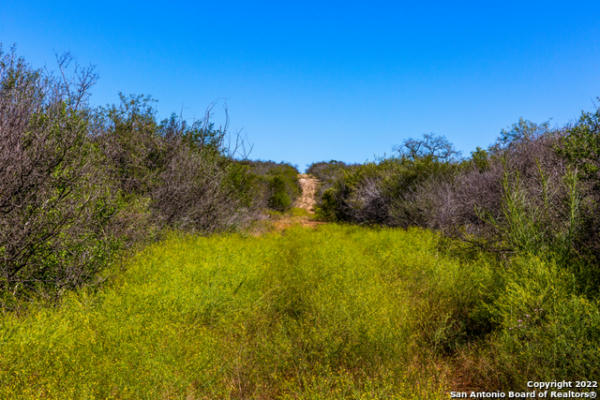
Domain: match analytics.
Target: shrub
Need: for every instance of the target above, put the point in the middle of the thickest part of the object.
(279, 199)
(580, 147)
(528, 195)
(184, 170)
(327, 173)
(77, 184)
(55, 202)
(546, 330)
(276, 185)
(197, 192)
(389, 191)
(535, 191)
(129, 138)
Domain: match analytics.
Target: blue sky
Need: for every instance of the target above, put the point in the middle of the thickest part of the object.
(308, 81)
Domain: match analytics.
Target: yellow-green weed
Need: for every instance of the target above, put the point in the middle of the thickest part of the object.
(336, 312)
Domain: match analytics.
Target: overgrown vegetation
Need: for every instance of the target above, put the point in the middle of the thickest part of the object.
(535, 191)
(531, 202)
(278, 181)
(78, 183)
(337, 312)
(492, 281)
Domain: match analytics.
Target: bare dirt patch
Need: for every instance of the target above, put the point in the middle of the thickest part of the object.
(309, 186)
(306, 202)
(301, 214)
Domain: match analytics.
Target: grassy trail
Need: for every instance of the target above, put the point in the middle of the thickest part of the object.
(331, 312)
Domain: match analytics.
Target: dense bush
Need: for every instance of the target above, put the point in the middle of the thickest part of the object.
(542, 328)
(580, 147)
(277, 182)
(533, 196)
(389, 191)
(78, 183)
(534, 191)
(128, 136)
(546, 329)
(183, 169)
(56, 205)
(524, 180)
(327, 172)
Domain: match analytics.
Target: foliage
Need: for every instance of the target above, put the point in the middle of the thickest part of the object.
(520, 132)
(78, 184)
(431, 146)
(580, 147)
(325, 313)
(534, 191)
(127, 135)
(339, 312)
(387, 192)
(56, 206)
(544, 328)
(277, 182)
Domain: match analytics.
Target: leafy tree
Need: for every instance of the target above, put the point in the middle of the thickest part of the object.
(436, 147)
(520, 131)
(128, 136)
(55, 204)
(581, 146)
(480, 159)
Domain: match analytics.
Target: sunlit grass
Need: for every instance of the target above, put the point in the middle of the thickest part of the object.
(326, 313)
(332, 312)
(300, 212)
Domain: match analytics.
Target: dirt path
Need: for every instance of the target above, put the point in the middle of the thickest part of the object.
(309, 186)
(306, 202)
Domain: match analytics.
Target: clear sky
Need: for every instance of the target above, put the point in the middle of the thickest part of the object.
(308, 81)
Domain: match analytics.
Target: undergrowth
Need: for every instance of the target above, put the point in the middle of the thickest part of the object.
(337, 312)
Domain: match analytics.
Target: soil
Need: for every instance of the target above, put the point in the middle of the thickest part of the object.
(309, 186)
(306, 201)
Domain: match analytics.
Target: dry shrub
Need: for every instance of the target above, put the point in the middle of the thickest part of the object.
(193, 194)
(54, 202)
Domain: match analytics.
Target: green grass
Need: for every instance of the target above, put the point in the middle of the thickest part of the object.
(300, 212)
(339, 312)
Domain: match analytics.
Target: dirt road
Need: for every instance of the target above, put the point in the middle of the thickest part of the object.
(306, 201)
(309, 186)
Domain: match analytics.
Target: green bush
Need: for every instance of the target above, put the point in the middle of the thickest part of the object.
(279, 199)
(77, 184)
(546, 329)
(580, 147)
(275, 185)
(57, 205)
(386, 192)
